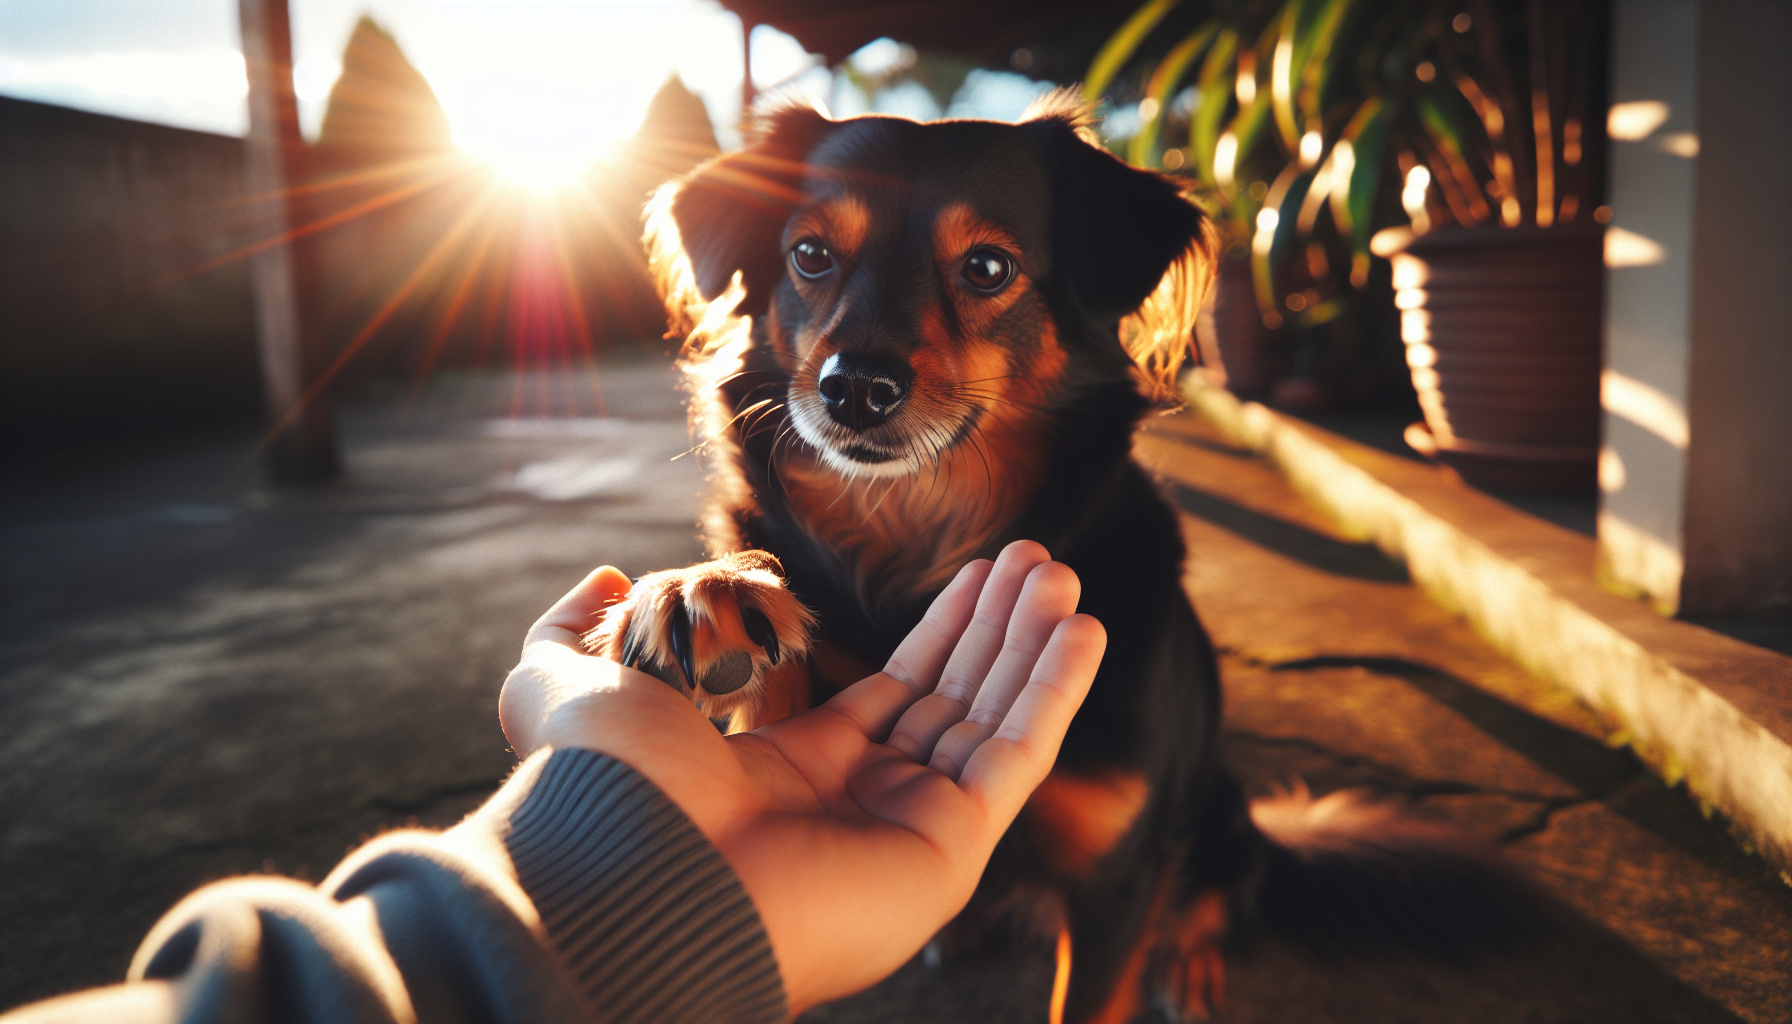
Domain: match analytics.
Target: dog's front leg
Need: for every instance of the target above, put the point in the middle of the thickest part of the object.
(726, 633)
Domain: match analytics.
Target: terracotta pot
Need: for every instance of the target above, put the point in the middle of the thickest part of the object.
(1231, 333)
(1502, 332)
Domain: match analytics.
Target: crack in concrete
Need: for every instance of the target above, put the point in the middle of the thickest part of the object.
(1585, 764)
(1543, 819)
(1612, 778)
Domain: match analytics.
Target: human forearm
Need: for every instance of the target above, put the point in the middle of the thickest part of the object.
(578, 892)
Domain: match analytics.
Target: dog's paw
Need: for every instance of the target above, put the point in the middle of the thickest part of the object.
(714, 631)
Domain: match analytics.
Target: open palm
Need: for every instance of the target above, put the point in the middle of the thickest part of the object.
(861, 826)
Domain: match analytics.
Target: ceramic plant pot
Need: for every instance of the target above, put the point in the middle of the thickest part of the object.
(1231, 333)
(1502, 332)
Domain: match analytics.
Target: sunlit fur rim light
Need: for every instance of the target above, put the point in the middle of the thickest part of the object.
(1157, 335)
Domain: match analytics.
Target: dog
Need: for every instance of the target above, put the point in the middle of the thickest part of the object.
(908, 345)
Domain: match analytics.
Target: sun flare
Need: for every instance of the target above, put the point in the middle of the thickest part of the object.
(539, 170)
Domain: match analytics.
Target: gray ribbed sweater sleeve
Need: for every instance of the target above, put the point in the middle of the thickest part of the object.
(647, 917)
(636, 918)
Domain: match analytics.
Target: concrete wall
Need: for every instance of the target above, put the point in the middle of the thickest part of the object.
(124, 305)
(1696, 514)
(107, 325)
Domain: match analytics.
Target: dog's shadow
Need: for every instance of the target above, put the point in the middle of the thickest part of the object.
(1574, 969)
(1578, 972)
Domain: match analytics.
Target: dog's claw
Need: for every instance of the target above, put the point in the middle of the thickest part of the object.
(656, 629)
(634, 655)
(759, 630)
(680, 630)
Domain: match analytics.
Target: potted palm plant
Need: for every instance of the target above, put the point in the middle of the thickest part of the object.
(1463, 140)
(1181, 107)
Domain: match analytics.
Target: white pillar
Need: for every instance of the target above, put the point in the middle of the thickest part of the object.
(1696, 510)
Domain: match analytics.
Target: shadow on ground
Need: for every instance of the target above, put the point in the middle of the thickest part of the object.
(204, 676)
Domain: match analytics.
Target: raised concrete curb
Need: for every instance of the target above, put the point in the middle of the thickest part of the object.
(1696, 706)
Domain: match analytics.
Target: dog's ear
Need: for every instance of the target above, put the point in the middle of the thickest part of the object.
(730, 212)
(1129, 246)
(1117, 229)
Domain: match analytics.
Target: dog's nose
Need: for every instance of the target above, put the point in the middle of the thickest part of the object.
(863, 391)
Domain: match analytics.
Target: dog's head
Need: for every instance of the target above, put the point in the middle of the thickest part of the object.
(918, 280)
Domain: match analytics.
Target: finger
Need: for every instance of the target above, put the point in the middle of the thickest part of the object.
(923, 654)
(976, 650)
(1049, 597)
(1005, 769)
(577, 612)
(875, 701)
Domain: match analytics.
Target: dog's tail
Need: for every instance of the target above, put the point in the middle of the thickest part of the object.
(1352, 874)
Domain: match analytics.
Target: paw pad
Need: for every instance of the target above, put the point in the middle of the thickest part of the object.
(712, 630)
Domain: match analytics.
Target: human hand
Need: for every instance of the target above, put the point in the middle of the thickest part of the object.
(860, 827)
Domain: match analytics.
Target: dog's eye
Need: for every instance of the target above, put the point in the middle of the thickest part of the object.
(988, 270)
(811, 258)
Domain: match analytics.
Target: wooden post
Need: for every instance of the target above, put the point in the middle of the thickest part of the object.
(746, 69)
(303, 447)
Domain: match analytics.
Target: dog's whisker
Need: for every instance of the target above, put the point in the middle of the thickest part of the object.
(769, 407)
(938, 464)
(880, 500)
(748, 411)
(786, 432)
(997, 398)
(989, 473)
(692, 450)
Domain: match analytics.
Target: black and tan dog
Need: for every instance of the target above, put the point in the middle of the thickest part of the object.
(910, 345)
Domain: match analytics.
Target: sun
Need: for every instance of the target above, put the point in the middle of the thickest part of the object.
(540, 135)
(539, 170)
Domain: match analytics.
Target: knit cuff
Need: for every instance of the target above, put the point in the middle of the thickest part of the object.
(648, 918)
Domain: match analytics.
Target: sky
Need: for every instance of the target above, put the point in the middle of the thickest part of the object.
(505, 70)
(512, 75)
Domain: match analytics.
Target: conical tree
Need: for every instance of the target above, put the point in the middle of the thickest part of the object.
(381, 108)
(677, 125)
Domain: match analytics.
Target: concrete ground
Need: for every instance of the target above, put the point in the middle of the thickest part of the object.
(203, 676)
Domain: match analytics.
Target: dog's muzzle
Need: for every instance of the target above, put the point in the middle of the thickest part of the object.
(861, 392)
